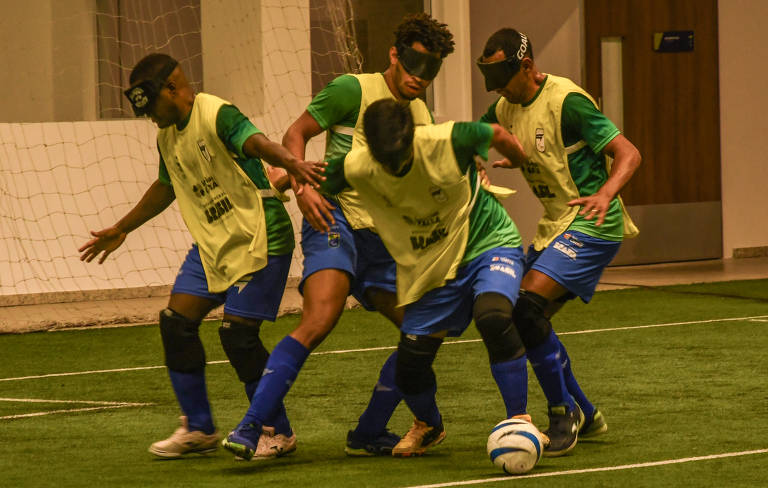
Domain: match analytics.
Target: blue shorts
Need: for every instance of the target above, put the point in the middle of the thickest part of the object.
(256, 296)
(575, 260)
(498, 270)
(360, 253)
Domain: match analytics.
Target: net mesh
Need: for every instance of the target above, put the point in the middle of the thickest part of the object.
(78, 161)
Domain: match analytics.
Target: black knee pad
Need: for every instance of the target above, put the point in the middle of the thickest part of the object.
(493, 318)
(532, 325)
(413, 370)
(183, 349)
(244, 349)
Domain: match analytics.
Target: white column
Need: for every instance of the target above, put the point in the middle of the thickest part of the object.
(453, 85)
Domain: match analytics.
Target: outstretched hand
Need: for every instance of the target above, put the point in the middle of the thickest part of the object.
(105, 240)
(315, 208)
(308, 172)
(593, 206)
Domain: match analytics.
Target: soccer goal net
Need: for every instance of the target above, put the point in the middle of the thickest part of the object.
(73, 158)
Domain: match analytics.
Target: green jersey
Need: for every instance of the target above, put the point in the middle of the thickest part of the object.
(234, 128)
(337, 105)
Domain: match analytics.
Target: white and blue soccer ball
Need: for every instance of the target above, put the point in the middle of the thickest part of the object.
(515, 446)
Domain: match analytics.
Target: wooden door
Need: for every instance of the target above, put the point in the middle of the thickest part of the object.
(671, 113)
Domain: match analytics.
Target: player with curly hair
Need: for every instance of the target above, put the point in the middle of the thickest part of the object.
(342, 255)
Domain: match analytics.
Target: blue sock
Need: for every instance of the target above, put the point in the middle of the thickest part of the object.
(193, 398)
(385, 399)
(424, 406)
(545, 361)
(281, 370)
(512, 379)
(280, 421)
(573, 386)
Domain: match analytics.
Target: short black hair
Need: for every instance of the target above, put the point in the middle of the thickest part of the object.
(508, 40)
(423, 28)
(149, 67)
(389, 130)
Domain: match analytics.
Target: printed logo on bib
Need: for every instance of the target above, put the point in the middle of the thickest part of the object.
(218, 209)
(540, 140)
(438, 194)
(204, 186)
(571, 253)
(422, 221)
(541, 190)
(204, 150)
(422, 242)
(531, 168)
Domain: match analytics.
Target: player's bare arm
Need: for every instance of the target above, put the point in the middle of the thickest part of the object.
(626, 160)
(156, 199)
(305, 172)
(509, 146)
(312, 205)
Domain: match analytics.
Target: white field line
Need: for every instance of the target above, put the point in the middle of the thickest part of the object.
(84, 402)
(386, 348)
(102, 406)
(595, 470)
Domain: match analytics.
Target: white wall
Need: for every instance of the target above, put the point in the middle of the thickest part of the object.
(25, 35)
(49, 60)
(743, 122)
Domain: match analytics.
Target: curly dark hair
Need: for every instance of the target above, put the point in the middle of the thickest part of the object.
(423, 28)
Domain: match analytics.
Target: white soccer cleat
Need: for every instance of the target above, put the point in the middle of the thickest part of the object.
(184, 441)
(271, 445)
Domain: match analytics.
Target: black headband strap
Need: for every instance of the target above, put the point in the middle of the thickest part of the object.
(143, 93)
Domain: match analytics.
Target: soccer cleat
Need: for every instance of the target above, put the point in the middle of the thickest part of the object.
(594, 425)
(184, 441)
(563, 430)
(271, 445)
(243, 441)
(381, 445)
(418, 439)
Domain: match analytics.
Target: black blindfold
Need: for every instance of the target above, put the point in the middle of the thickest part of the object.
(422, 65)
(142, 95)
(498, 74)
